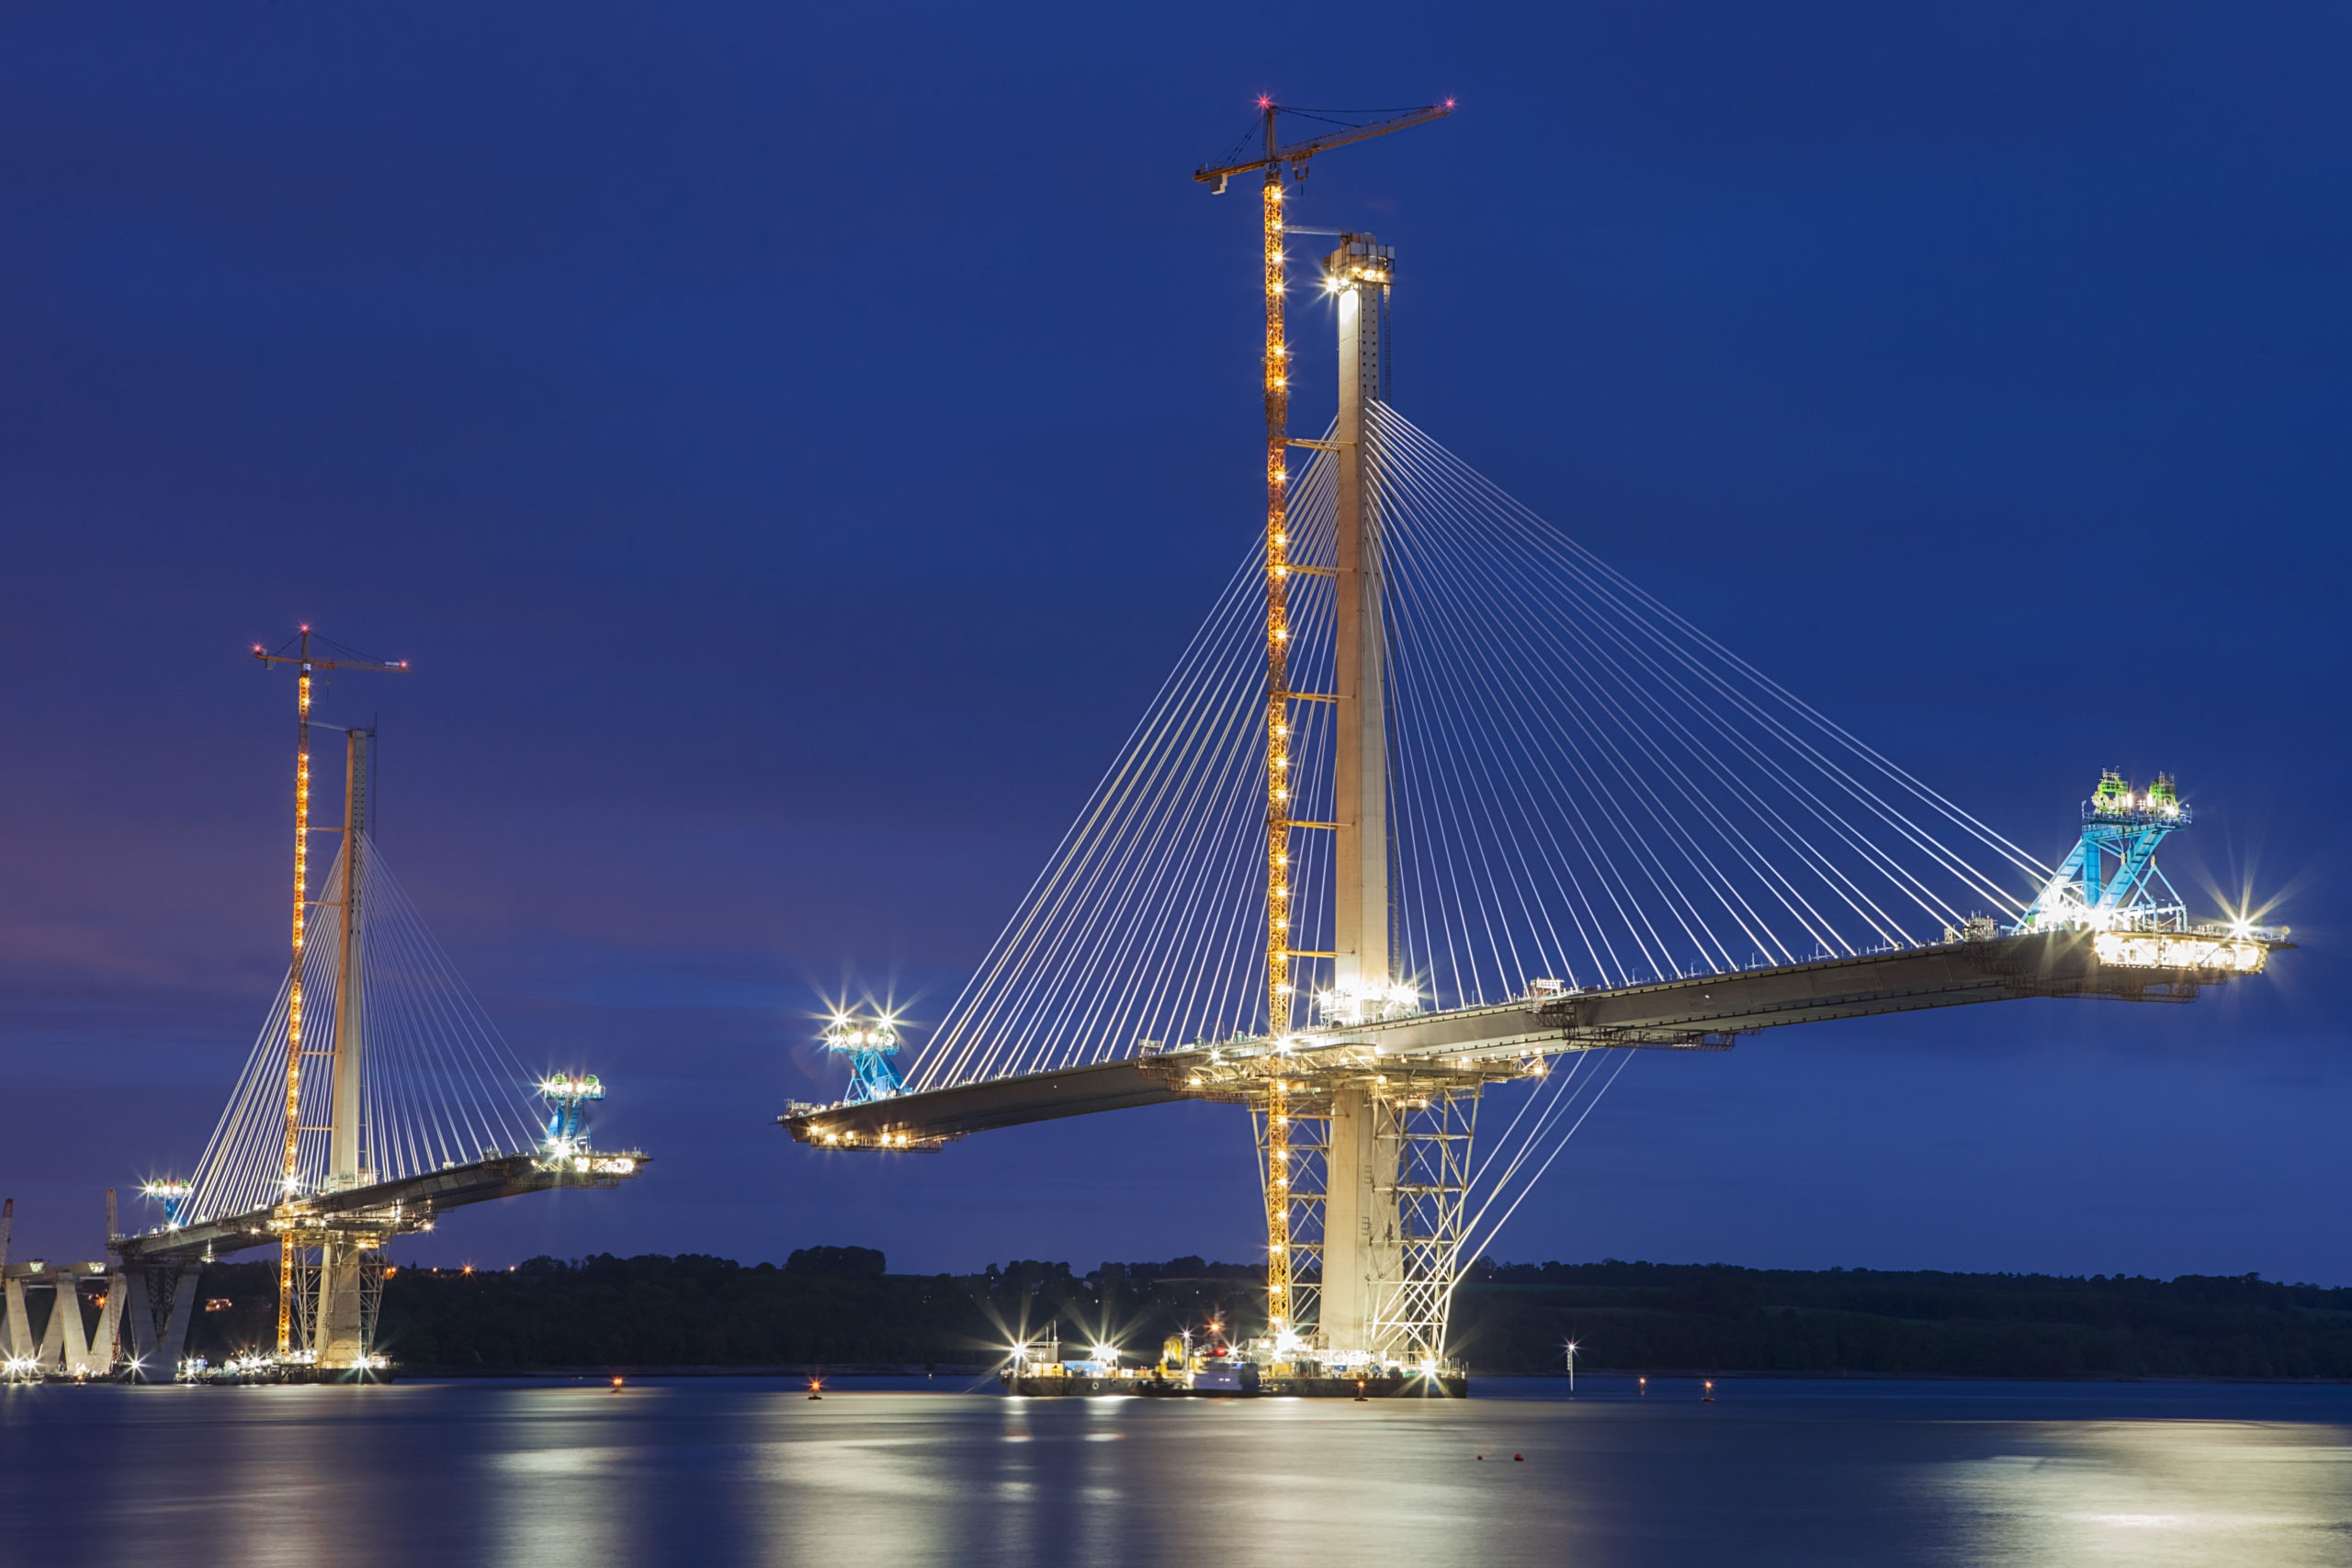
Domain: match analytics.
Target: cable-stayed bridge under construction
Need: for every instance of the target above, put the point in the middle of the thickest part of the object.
(1436, 812)
(1436, 804)
(378, 1096)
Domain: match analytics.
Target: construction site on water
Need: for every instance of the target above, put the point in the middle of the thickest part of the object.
(323, 1154)
(1365, 1110)
(1390, 838)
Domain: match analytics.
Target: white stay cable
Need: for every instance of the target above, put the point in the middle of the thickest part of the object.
(438, 1085)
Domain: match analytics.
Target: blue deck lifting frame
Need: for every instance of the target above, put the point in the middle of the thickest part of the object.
(2110, 878)
(568, 1094)
(869, 1044)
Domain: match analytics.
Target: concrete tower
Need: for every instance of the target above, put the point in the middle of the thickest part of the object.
(1361, 1244)
(341, 1329)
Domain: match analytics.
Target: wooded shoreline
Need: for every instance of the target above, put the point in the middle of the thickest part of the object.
(832, 1309)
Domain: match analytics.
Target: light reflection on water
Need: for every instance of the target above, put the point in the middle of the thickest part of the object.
(751, 1470)
(2162, 1493)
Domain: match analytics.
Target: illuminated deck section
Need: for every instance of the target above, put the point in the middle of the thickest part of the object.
(1513, 1040)
(385, 1209)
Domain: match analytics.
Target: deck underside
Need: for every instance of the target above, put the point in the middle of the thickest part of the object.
(1498, 1042)
(388, 1208)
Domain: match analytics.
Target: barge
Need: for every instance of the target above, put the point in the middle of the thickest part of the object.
(1213, 1369)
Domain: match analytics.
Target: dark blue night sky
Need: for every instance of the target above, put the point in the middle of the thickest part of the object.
(792, 444)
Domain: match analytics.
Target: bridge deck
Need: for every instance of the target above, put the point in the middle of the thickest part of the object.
(1706, 1011)
(395, 1207)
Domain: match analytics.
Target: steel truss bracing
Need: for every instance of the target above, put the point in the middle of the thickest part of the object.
(1292, 1151)
(373, 1266)
(338, 1287)
(1379, 1174)
(151, 1303)
(1390, 1174)
(1412, 1299)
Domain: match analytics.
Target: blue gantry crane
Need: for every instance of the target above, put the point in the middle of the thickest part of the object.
(869, 1044)
(2110, 879)
(568, 1094)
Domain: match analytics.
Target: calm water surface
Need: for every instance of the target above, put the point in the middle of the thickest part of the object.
(729, 1470)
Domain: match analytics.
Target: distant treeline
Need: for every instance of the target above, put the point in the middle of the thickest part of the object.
(1512, 1318)
(840, 1307)
(826, 1306)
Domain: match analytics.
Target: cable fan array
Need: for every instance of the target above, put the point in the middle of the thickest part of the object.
(1146, 926)
(1583, 787)
(1589, 787)
(438, 1086)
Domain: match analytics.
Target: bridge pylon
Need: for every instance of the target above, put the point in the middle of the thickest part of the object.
(349, 1263)
(1390, 1208)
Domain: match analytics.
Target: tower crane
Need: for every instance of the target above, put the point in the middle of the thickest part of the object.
(307, 666)
(1283, 1312)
